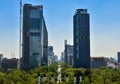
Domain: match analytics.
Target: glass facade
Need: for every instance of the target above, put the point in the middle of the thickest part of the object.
(81, 39)
(35, 23)
(35, 37)
(118, 57)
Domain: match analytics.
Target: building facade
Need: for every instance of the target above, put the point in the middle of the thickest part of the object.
(45, 45)
(34, 37)
(81, 30)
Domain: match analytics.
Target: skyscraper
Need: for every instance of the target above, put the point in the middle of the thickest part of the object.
(68, 52)
(81, 27)
(65, 52)
(34, 37)
(118, 57)
(63, 56)
(50, 54)
(45, 45)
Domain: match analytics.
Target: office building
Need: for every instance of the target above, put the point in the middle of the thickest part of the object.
(45, 45)
(68, 53)
(34, 37)
(81, 30)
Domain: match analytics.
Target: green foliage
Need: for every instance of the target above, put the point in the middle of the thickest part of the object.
(102, 75)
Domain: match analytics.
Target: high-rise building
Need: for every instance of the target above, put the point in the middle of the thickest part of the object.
(50, 55)
(81, 27)
(68, 53)
(62, 56)
(118, 57)
(65, 52)
(45, 45)
(34, 37)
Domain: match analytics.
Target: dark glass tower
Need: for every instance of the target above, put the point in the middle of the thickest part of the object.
(45, 45)
(66, 54)
(34, 37)
(81, 27)
(118, 57)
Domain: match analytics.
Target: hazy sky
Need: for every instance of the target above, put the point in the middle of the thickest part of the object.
(104, 24)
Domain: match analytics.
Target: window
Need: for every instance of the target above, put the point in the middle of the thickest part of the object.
(77, 40)
(35, 23)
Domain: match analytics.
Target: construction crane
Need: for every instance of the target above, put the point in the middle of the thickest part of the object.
(20, 31)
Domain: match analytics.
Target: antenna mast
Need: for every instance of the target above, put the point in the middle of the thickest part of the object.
(20, 42)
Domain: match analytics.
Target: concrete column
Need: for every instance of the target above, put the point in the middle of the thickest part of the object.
(44, 78)
(80, 77)
(52, 78)
(38, 78)
(75, 79)
(67, 78)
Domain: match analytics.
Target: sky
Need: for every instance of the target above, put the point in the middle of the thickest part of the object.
(58, 14)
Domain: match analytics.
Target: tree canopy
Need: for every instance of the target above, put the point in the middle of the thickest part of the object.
(101, 75)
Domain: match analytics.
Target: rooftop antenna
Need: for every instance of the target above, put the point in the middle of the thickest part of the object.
(20, 30)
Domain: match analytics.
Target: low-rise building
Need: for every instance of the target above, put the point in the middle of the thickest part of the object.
(10, 63)
(97, 62)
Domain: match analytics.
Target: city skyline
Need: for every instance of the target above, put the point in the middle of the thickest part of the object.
(104, 25)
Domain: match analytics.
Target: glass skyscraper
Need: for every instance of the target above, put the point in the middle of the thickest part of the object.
(118, 54)
(81, 30)
(34, 37)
